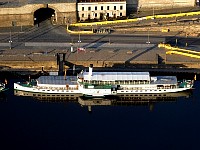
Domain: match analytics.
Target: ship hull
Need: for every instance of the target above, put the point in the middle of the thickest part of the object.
(96, 92)
(103, 92)
(36, 89)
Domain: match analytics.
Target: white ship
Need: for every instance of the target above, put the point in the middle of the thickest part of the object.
(3, 87)
(101, 84)
(59, 85)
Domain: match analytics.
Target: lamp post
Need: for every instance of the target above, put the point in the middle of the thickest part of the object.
(36, 22)
(72, 48)
(153, 11)
(148, 41)
(52, 18)
(10, 40)
(64, 22)
(176, 42)
(79, 39)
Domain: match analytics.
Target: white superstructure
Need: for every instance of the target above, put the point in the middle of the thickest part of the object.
(50, 84)
(100, 84)
(2, 87)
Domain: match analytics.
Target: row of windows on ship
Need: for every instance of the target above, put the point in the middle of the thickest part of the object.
(119, 82)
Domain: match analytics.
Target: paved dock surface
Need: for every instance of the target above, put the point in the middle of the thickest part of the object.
(136, 54)
(38, 50)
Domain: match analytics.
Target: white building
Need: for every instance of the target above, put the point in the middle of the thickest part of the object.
(101, 9)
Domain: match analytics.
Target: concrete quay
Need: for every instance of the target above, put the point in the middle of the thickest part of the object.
(104, 55)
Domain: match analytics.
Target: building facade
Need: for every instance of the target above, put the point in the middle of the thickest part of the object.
(101, 9)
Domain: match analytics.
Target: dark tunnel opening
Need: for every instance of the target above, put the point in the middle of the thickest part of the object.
(43, 14)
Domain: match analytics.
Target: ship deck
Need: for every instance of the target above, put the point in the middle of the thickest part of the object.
(57, 80)
(164, 80)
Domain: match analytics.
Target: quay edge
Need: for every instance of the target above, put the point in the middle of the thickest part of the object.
(52, 66)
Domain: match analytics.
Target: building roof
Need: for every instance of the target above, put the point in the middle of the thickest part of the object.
(51, 1)
(17, 3)
(83, 1)
(113, 76)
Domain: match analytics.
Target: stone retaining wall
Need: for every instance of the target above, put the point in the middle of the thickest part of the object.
(24, 15)
(189, 30)
(30, 65)
(52, 65)
(163, 4)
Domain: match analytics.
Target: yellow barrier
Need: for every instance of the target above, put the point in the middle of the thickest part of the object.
(79, 32)
(165, 30)
(136, 19)
(184, 54)
(179, 51)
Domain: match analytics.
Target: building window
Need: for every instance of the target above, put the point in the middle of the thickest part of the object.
(82, 15)
(95, 15)
(101, 7)
(107, 7)
(121, 7)
(120, 14)
(82, 8)
(107, 14)
(89, 8)
(115, 7)
(95, 7)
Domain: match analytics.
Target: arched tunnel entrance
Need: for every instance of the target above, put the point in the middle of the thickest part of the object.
(43, 14)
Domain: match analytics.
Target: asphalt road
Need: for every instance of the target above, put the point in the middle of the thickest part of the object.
(46, 32)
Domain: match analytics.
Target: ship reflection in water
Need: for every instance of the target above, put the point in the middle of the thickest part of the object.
(3, 97)
(121, 100)
(134, 100)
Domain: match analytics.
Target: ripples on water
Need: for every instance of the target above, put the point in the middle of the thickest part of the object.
(29, 123)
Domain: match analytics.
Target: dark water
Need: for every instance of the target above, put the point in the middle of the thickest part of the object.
(29, 124)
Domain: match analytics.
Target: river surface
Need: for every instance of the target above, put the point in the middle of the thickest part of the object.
(30, 124)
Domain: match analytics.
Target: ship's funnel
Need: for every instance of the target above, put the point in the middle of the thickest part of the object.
(90, 69)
